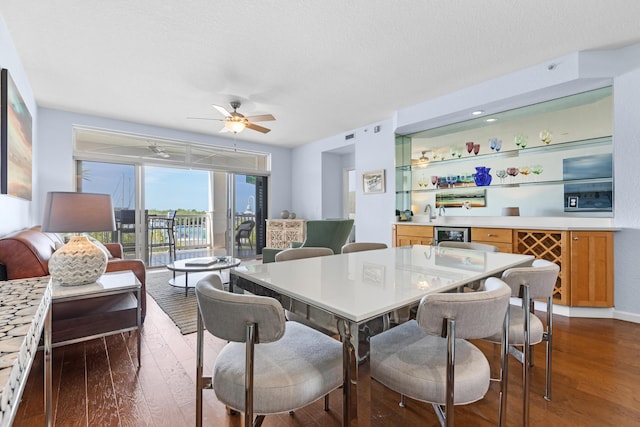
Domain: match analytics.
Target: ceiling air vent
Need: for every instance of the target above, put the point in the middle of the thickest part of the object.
(350, 136)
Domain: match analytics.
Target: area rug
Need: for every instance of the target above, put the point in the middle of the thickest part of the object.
(171, 299)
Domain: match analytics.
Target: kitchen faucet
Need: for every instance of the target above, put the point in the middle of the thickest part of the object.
(429, 212)
(441, 210)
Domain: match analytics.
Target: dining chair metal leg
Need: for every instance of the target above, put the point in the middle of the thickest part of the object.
(526, 348)
(248, 377)
(451, 359)
(201, 382)
(548, 337)
(504, 372)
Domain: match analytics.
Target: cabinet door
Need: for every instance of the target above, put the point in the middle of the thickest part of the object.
(413, 235)
(502, 238)
(592, 268)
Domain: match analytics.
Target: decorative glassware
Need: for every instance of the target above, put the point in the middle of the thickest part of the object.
(482, 177)
(520, 140)
(451, 180)
(525, 170)
(476, 149)
(422, 182)
(434, 180)
(545, 136)
(498, 144)
(469, 147)
(512, 172)
(536, 169)
(502, 174)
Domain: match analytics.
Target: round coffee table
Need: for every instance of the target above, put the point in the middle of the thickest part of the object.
(195, 266)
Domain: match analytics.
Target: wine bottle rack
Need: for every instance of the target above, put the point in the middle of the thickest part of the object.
(548, 245)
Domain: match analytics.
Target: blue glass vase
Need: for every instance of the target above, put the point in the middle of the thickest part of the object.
(482, 177)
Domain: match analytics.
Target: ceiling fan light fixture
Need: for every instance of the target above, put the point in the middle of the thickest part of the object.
(235, 126)
(423, 159)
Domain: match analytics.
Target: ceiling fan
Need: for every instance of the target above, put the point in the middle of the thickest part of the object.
(159, 151)
(236, 122)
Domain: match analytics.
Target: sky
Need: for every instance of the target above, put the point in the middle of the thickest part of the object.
(165, 188)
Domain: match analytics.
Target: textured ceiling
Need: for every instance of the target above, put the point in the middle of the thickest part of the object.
(320, 67)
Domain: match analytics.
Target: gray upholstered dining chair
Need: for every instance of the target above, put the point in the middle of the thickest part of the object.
(303, 313)
(269, 366)
(469, 245)
(362, 246)
(526, 329)
(429, 359)
(300, 253)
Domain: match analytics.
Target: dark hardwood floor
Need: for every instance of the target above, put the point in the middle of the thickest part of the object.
(596, 382)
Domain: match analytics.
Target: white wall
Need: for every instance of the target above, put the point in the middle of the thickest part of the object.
(332, 187)
(17, 213)
(373, 151)
(627, 192)
(56, 162)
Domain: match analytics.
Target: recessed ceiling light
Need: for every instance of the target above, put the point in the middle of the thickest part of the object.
(477, 112)
(491, 120)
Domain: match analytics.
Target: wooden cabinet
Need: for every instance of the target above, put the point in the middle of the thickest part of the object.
(281, 232)
(500, 237)
(585, 259)
(406, 235)
(591, 268)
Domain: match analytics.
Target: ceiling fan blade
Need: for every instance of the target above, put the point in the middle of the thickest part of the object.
(224, 129)
(261, 118)
(222, 110)
(254, 126)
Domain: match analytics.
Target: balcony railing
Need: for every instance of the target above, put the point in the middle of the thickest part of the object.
(191, 231)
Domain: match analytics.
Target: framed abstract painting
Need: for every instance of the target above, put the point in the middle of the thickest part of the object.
(16, 135)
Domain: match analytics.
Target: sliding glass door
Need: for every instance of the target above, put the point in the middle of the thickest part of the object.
(118, 180)
(187, 194)
(247, 195)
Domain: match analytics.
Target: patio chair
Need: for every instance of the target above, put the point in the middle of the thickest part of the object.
(243, 231)
(166, 226)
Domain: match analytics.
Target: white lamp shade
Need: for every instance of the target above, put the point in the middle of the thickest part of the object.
(69, 212)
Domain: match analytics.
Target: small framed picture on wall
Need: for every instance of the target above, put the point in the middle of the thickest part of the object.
(373, 182)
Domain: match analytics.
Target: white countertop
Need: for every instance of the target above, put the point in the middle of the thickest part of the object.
(534, 223)
(361, 285)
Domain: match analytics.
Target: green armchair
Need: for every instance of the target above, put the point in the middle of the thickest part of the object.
(325, 233)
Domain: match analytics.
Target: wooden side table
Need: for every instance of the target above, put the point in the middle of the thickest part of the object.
(128, 313)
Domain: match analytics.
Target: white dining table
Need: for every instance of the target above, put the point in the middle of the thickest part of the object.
(362, 286)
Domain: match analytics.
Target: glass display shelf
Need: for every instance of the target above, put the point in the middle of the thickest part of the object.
(511, 185)
(529, 151)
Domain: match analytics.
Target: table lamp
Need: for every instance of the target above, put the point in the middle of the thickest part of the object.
(79, 261)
